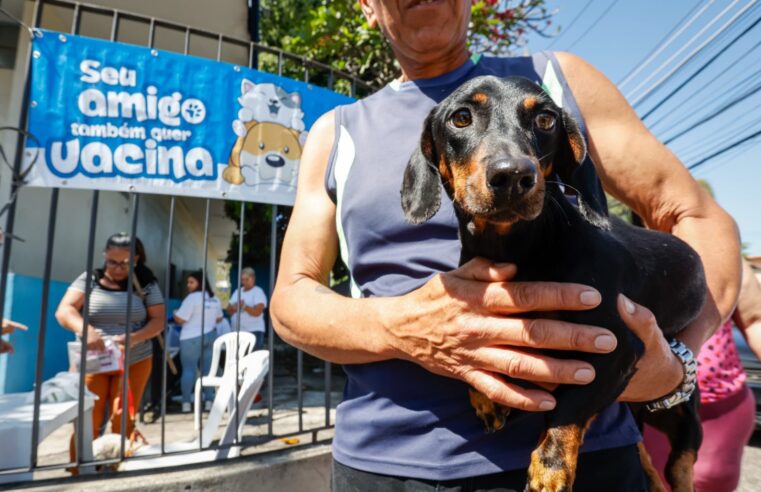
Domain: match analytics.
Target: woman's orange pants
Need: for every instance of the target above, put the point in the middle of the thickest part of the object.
(108, 387)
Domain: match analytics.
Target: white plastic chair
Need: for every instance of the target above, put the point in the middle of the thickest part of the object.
(254, 367)
(211, 380)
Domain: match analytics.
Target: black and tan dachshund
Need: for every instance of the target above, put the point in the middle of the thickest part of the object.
(501, 148)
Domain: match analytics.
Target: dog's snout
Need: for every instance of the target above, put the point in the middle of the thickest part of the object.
(515, 176)
(275, 160)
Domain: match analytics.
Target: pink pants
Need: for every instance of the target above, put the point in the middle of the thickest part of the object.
(727, 427)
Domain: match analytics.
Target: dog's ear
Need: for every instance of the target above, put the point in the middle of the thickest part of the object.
(421, 194)
(574, 149)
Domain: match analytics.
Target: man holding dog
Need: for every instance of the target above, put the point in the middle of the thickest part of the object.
(419, 330)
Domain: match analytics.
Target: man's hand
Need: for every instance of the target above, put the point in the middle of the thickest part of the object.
(659, 371)
(461, 324)
(9, 326)
(232, 308)
(5, 347)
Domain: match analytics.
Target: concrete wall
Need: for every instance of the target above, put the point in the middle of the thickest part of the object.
(22, 303)
(305, 469)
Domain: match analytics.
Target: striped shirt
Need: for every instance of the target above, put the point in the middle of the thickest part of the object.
(108, 311)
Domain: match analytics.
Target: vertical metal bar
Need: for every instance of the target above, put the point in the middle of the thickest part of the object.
(75, 20)
(280, 63)
(167, 292)
(128, 323)
(306, 71)
(43, 326)
(187, 41)
(17, 158)
(353, 92)
(219, 47)
(152, 38)
(203, 312)
(299, 388)
(327, 392)
(331, 79)
(241, 235)
(115, 26)
(85, 325)
(271, 338)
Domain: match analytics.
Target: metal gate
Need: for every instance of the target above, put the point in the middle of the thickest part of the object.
(258, 56)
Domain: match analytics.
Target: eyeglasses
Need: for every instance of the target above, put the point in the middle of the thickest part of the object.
(117, 264)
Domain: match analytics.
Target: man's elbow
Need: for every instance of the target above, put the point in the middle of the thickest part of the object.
(279, 310)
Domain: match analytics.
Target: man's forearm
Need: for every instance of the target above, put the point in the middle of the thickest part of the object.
(327, 325)
(716, 240)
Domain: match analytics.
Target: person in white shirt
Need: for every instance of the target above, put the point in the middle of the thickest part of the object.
(199, 314)
(247, 304)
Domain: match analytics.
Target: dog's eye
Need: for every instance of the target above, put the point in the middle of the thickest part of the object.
(461, 118)
(545, 121)
(261, 145)
(286, 149)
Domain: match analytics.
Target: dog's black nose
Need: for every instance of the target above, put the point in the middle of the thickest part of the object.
(515, 176)
(275, 160)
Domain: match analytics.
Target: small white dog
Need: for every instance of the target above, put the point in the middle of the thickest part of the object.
(107, 447)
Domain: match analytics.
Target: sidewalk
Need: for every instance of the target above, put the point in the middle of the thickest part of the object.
(179, 426)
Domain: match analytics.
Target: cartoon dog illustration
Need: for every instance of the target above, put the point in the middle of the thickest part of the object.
(268, 153)
(268, 103)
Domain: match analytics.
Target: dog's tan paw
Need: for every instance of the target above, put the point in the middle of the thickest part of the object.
(493, 415)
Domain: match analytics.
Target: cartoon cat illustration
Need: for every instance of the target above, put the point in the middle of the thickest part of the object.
(268, 103)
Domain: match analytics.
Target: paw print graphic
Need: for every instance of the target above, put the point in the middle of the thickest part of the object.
(194, 111)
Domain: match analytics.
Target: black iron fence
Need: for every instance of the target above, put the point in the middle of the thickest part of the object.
(108, 23)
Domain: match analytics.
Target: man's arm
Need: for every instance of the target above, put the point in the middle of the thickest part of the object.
(747, 316)
(256, 310)
(640, 171)
(454, 325)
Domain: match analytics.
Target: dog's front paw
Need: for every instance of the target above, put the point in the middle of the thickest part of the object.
(493, 415)
(546, 477)
(232, 175)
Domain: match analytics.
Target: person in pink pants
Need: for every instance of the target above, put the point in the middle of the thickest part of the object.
(727, 405)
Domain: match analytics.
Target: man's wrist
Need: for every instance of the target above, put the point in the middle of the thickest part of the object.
(688, 383)
(388, 315)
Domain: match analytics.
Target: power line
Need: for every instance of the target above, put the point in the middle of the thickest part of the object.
(583, 9)
(740, 126)
(716, 113)
(605, 12)
(730, 93)
(705, 65)
(667, 62)
(662, 45)
(727, 148)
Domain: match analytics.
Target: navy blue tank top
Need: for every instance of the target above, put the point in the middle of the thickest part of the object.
(396, 418)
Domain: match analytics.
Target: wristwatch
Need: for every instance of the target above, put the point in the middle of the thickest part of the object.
(685, 390)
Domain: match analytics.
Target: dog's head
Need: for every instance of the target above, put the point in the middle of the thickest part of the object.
(492, 143)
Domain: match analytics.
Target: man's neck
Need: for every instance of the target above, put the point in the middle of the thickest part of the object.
(415, 70)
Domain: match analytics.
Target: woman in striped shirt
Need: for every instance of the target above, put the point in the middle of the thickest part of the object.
(108, 318)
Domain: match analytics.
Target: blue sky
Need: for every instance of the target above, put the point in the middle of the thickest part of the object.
(629, 32)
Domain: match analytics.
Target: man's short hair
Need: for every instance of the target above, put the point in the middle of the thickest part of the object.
(248, 272)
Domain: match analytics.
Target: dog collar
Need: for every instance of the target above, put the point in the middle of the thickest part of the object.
(685, 390)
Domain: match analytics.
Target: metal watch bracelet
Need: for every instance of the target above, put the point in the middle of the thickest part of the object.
(685, 390)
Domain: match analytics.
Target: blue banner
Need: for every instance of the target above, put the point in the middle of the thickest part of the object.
(120, 117)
